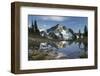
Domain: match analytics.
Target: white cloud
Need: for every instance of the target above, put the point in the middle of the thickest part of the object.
(54, 18)
(43, 28)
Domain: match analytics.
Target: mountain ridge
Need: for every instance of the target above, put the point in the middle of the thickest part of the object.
(59, 32)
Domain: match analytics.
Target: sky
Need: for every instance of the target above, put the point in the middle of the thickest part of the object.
(46, 21)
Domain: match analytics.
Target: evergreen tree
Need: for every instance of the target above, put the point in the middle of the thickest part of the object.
(36, 27)
(33, 27)
(79, 33)
(85, 31)
(29, 29)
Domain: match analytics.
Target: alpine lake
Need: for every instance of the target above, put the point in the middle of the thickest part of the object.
(46, 49)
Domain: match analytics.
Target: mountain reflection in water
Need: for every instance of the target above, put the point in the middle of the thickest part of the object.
(57, 50)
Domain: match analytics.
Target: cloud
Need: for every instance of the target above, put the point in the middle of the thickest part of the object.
(54, 18)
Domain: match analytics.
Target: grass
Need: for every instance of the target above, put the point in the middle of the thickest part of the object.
(40, 55)
(37, 55)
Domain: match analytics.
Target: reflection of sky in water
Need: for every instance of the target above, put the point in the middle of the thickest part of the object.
(72, 51)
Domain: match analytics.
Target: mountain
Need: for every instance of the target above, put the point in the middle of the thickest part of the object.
(43, 33)
(59, 32)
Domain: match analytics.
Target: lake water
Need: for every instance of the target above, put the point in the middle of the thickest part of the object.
(57, 50)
